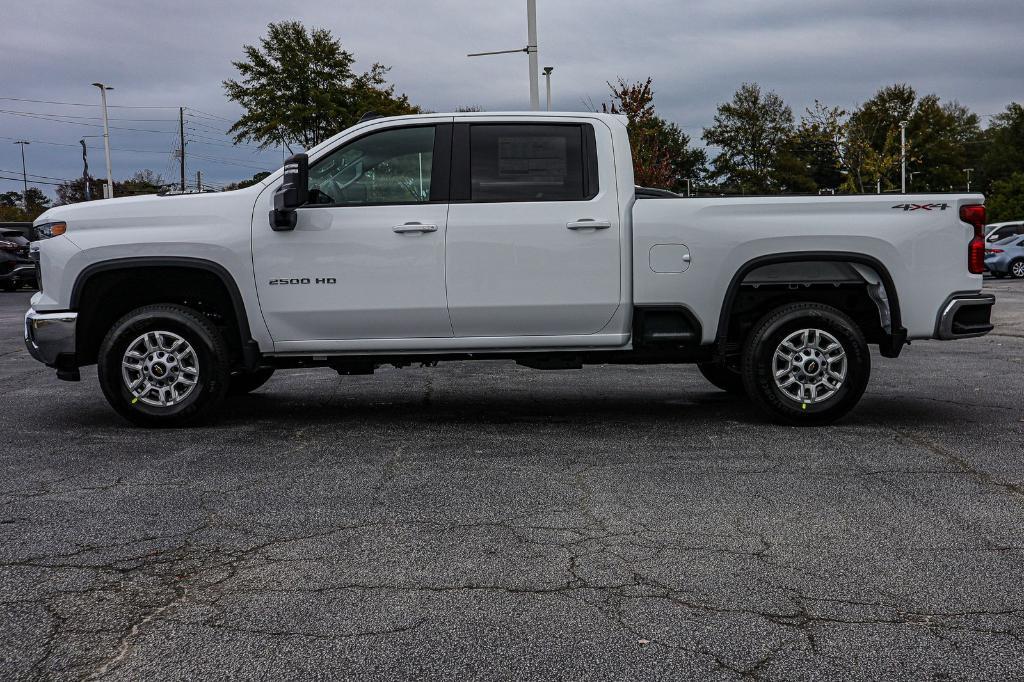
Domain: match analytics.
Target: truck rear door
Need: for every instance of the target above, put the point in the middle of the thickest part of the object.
(533, 242)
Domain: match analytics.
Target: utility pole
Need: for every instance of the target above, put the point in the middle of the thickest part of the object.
(903, 157)
(530, 50)
(199, 181)
(966, 170)
(688, 187)
(85, 170)
(108, 193)
(181, 150)
(547, 77)
(24, 172)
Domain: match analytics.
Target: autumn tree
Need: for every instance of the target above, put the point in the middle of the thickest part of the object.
(662, 155)
(298, 87)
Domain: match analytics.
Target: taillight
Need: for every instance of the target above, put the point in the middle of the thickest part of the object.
(975, 215)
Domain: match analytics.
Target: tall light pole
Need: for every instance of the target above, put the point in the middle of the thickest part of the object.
(547, 78)
(966, 170)
(530, 50)
(108, 192)
(24, 172)
(903, 157)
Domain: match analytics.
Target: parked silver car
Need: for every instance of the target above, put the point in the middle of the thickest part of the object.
(995, 232)
(1006, 257)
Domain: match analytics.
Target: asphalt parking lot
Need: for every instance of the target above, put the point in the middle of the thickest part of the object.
(486, 520)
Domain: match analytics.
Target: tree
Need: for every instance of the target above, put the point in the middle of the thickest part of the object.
(662, 156)
(1002, 150)
(246, 183)
(298, 87)
(820, 142)
(13, 207)
(144, 181)
(754, 133)
(1005, 201)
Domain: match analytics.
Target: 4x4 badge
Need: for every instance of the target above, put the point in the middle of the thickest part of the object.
(921, 207)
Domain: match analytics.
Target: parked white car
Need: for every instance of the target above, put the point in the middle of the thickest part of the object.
(481, 235)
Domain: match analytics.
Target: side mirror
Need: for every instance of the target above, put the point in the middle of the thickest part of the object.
(293, 192)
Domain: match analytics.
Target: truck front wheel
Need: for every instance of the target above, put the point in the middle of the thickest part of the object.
(164, 365)
(806, 364)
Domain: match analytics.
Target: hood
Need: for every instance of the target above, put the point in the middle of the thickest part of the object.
(153, 210)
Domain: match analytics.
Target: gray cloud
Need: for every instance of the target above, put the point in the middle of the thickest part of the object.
(177, 54)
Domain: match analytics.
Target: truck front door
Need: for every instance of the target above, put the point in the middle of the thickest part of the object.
(366, 258)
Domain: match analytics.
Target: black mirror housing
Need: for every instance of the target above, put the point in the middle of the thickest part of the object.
(293, 192)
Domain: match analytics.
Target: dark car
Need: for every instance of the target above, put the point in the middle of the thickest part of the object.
(16, 268)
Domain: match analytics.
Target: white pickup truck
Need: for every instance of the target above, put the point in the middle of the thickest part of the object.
(519, 236)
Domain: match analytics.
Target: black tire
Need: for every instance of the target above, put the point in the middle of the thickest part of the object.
(759, 364)
(8, 286)
(211, 361)
(723, 377)
(247, 382)
(1016, 269)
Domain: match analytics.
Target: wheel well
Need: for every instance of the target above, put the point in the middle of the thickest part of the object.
(859, 286)
(104, 296)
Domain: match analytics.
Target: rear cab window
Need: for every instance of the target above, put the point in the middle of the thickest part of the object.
(524, 162)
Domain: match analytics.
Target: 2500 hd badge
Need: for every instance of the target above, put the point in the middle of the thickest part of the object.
(304, 280)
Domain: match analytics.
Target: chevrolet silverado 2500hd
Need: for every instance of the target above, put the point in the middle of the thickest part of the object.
(516, 236)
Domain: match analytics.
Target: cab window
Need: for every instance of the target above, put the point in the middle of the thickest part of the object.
(388, 167)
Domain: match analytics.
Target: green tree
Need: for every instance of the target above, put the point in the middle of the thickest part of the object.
(662, 155)
(1002, 152)
(13, 208)
(246, 183)
(754, 134)
(1005, 200)
(144, 181)
(298, 87)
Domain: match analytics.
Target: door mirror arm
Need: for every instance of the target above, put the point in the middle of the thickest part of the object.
(293, 193)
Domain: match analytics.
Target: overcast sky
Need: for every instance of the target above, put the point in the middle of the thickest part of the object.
(170, 54)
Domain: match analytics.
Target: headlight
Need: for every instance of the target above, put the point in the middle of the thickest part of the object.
(47, 230)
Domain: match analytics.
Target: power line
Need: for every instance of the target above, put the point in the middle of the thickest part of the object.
(80, 104)
(78, 123)
(34, 182)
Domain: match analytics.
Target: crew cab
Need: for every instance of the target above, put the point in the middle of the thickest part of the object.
(518, 236)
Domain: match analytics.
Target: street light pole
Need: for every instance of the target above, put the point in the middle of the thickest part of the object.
(547, 77)
(530, 50)
(966, 170)
(24, 172)
(109, 190)
(903, 157)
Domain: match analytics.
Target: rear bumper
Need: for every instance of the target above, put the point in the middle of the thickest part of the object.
(965, 316)
(50, 337)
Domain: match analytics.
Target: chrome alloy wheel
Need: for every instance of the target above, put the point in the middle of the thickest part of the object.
(1017, 270)
(809, 366)
(160, 368)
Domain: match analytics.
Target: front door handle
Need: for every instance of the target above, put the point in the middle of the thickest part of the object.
(414, 227)
(589, 224)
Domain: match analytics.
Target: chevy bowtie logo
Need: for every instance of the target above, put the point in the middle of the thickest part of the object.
(921, 207)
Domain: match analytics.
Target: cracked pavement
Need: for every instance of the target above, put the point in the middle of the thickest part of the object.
(490, 521)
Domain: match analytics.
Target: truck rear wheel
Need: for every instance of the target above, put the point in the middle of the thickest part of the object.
(164, 365)
(806, 364)
(723, 377)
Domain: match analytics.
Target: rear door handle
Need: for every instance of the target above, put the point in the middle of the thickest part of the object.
(414, 227)
(589, 224)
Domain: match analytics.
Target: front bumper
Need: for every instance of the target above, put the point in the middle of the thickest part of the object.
(50, 337)
(965, 316)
